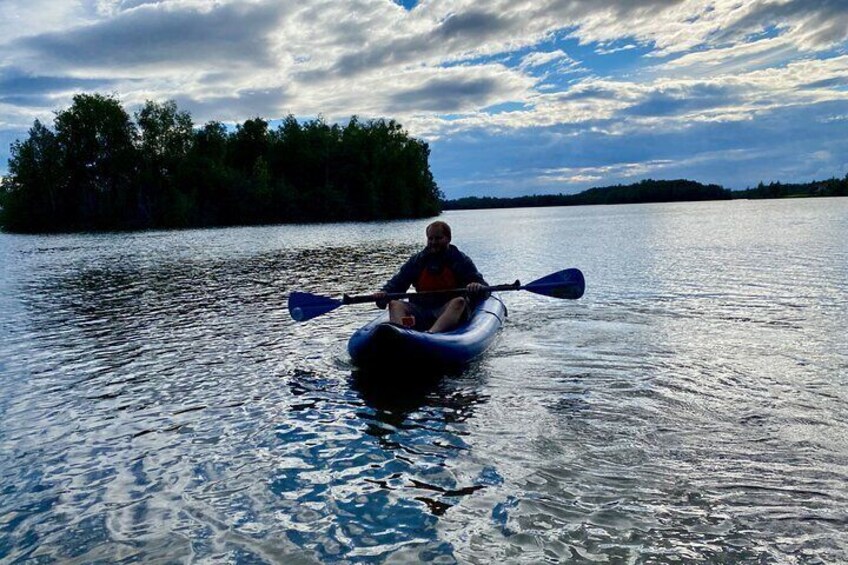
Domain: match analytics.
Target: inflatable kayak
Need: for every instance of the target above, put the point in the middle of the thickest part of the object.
(381, 344)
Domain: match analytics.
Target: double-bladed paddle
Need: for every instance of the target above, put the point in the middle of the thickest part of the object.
(562, 284)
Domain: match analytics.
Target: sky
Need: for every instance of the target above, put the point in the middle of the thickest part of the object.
(514, 97)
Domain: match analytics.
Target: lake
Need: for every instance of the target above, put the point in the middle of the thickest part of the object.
(159, 405)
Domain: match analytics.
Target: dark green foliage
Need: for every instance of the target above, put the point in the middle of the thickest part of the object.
(654, 191)
(34, 193)
(101, 170)
(641, 192)
(97, 152)
(830, 187)
(78, 177)
(167, 136)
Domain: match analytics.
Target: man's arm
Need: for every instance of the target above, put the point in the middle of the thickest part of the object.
(404, 278)
(470, 277)
(467, 271)
(398, 283)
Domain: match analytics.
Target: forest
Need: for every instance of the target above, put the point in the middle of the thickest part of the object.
(97, 168)
(656, 191)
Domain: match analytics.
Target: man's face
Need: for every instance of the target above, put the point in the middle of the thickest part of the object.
(437, 240)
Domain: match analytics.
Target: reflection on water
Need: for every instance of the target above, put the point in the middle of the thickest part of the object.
(159, 405)
(409, 414)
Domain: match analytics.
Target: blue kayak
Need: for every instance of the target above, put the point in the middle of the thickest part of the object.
(381, 344)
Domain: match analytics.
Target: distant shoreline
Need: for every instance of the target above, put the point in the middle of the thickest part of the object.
(648, 191)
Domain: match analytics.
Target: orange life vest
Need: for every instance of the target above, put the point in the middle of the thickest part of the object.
(443, 279)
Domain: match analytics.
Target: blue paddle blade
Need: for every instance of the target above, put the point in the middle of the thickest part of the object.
(305, 306)
(564, 284)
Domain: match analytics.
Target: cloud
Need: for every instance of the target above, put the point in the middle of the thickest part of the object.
(473, 25)
(811, 26)
(683, 99)
(584, 175)
(679, 27)
(445, 95)
(32, 17)
(162, 37)
(740, 58)
(237, 106)
(544, 58)
(22, 89)
(459, 89)
(417, 40)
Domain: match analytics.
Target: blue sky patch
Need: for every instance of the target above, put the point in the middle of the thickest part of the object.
(506, 107)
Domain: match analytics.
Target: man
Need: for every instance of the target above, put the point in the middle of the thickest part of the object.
(439, 266)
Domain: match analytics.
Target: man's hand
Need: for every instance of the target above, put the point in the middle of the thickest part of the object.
(380, 299)
(474, 288)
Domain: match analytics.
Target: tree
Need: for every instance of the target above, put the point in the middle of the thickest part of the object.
(210, 143)
(249, 143)
(167, 135)
(206, 175)
(32, 198)
(96, 139)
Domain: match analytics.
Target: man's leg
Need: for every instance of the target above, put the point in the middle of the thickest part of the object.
(397, 310)
(451, 315)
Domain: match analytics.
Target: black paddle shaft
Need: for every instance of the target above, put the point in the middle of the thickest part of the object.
(365, 298)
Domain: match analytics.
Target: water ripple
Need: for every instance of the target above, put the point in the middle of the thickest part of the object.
(159, 405)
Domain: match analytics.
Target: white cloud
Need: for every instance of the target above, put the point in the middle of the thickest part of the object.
(33, 17)
(541, 58)
(581, 175)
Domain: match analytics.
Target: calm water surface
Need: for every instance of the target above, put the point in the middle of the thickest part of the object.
(158, 404)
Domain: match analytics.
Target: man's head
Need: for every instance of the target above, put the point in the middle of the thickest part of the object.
(438, 236)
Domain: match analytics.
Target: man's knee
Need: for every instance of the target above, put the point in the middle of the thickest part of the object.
(398, 306)
(459, 303)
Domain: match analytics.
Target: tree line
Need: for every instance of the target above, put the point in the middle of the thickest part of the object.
(641, 192)
(829, 187)
(654, 191)
(99, 169)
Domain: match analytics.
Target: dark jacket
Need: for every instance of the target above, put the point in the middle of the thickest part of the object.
(462, 266)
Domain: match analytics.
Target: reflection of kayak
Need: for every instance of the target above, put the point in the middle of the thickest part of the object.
(379, 343)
